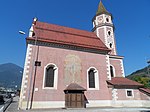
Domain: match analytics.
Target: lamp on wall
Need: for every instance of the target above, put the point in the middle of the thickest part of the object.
(22, 32)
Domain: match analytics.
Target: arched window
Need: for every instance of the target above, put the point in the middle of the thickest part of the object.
(51, 74)
(91, 74)
(93, 80)
(49, 78)
(107, 19)
(110, 45)
(112, 71)
(109, 33)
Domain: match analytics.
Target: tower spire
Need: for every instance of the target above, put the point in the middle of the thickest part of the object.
(101, 9)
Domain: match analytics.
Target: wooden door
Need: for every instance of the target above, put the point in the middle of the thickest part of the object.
(74, 100)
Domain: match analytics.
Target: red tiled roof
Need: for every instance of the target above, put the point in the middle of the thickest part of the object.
(69, 36)
(121, 81)
(74, 86)
(145, 90)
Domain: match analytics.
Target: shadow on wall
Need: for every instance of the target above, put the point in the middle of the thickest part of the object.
(85, 101)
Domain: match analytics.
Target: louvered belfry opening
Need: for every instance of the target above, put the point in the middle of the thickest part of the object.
(91, 75)
(49, 77)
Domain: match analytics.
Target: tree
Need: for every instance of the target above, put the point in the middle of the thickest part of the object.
(143, 80)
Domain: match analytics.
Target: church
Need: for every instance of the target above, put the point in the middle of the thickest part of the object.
(72, 68)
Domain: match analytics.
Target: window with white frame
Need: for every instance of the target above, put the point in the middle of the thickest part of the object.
(93, 80)
(91, 74)
(50, 76)
(129, 93)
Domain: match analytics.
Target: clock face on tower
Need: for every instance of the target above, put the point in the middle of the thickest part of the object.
(100, 20)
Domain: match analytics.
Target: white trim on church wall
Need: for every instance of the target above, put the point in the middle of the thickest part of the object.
(25, 74)
(122, 68)
(114, 94)
(103, 18)
(108, 67)
(93, 23)
(31, 31)
(96, 79)
(55, 76)
(114, 42)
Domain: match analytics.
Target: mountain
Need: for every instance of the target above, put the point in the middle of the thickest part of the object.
(10, 75)
(144, 72)
(142, 76)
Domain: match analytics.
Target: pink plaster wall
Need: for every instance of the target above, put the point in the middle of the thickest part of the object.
(144, 96)
(117, 65)
(57, 56)
(122, 95)
(101, 34)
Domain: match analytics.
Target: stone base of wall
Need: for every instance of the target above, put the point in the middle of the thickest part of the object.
(98, 103)
(131, 103)
(118, 103)
(44, 104)
(91, 103)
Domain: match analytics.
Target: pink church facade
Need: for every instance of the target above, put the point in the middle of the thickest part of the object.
(71, 68)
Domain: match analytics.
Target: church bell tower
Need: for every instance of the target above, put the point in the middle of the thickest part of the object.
(104, 28)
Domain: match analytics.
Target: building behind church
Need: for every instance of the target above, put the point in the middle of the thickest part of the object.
(72, 68)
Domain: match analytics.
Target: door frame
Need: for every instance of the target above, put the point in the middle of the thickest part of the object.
(74, 99)
(74, 96)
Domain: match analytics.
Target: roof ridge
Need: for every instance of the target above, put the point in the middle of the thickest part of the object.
(63, 26)
(70, 33)
(75, 29)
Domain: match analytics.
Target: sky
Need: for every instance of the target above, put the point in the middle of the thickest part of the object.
(130, 17)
